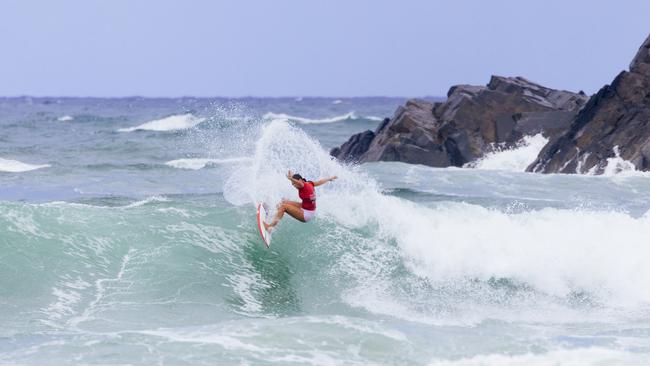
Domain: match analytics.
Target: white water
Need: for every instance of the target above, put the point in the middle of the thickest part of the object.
(15, 166)
(618, 165)
(395, 279)
(171, 123)
(200, 163)
(561, 357)
(341, 118)
(516, 159)
(65, 118)
(555, 252)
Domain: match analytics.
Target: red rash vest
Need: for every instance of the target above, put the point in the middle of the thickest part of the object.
(308, 196)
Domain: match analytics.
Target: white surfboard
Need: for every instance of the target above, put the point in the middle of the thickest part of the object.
(261, 216)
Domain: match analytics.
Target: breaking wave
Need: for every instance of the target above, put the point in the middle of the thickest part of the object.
(515, 159)
(200, 163)
(553, 253)
(171, 123)
(109, 273)
(351, 116)
(15, 166)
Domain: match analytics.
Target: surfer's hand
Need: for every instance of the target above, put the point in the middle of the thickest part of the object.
(289, 174)
(333, 178)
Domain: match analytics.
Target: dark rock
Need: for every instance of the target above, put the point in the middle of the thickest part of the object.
(614, 120)
(354, 147)
(466, 125)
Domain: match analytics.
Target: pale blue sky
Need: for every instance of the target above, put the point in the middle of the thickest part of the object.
(310, 48)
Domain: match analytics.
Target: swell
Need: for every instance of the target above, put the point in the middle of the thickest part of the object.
(84, 266)
(88, 266)
(93, 265)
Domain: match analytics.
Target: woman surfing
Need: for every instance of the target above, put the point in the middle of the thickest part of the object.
(304, 211)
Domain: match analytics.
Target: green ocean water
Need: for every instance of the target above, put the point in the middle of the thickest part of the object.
(141, 247)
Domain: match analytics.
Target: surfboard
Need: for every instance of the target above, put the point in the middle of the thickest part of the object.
(261, 216)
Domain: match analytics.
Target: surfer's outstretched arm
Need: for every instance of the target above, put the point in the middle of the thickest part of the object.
(325, 180)
(297, 182)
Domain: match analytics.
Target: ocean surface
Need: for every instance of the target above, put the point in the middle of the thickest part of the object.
(128, 236)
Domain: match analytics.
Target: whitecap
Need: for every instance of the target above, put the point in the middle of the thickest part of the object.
(15, 166)
(171, 123)
(145, 201)
(341, 118)
(65, 118)
(283, 116)
(199, 163)
(579, 356)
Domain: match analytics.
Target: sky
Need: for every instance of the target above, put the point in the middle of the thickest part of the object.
(332, 48)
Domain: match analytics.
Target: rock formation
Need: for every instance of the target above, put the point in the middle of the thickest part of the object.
(616, 120)
(467, 125)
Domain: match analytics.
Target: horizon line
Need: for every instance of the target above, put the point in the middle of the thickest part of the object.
(219, 97)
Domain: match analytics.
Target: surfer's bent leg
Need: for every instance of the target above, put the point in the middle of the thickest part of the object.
(291, 209)
(289, 202)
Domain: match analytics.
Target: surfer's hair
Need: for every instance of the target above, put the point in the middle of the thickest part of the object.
(299, 177)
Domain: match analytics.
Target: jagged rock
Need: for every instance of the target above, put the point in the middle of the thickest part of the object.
(615, 121)
(466, 125)
(355, 147)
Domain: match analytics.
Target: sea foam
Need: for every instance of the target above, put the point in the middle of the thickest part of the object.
(556, 253)
(171, 123)
(341, 118)
(617, 165)
(516, 159)
(15, 166)
(569, 357)
(200, 163)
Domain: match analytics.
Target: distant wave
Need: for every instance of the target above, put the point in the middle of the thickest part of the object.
(562, 356)
(171, 123)
(516, 159)
(65, 118)
(338, 101)
(15, 166)
(198, 163)
(145, 201)
(345, 117)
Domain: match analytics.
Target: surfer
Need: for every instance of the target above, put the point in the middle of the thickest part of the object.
(304, 211)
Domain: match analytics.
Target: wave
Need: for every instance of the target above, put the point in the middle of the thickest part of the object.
(452, 249)
(516, 159)
(367, 252)
(618, 166)
(200, 163)
(351, 116)
(65, 118)
(15, 166)
(578, 356)
(171, 123)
